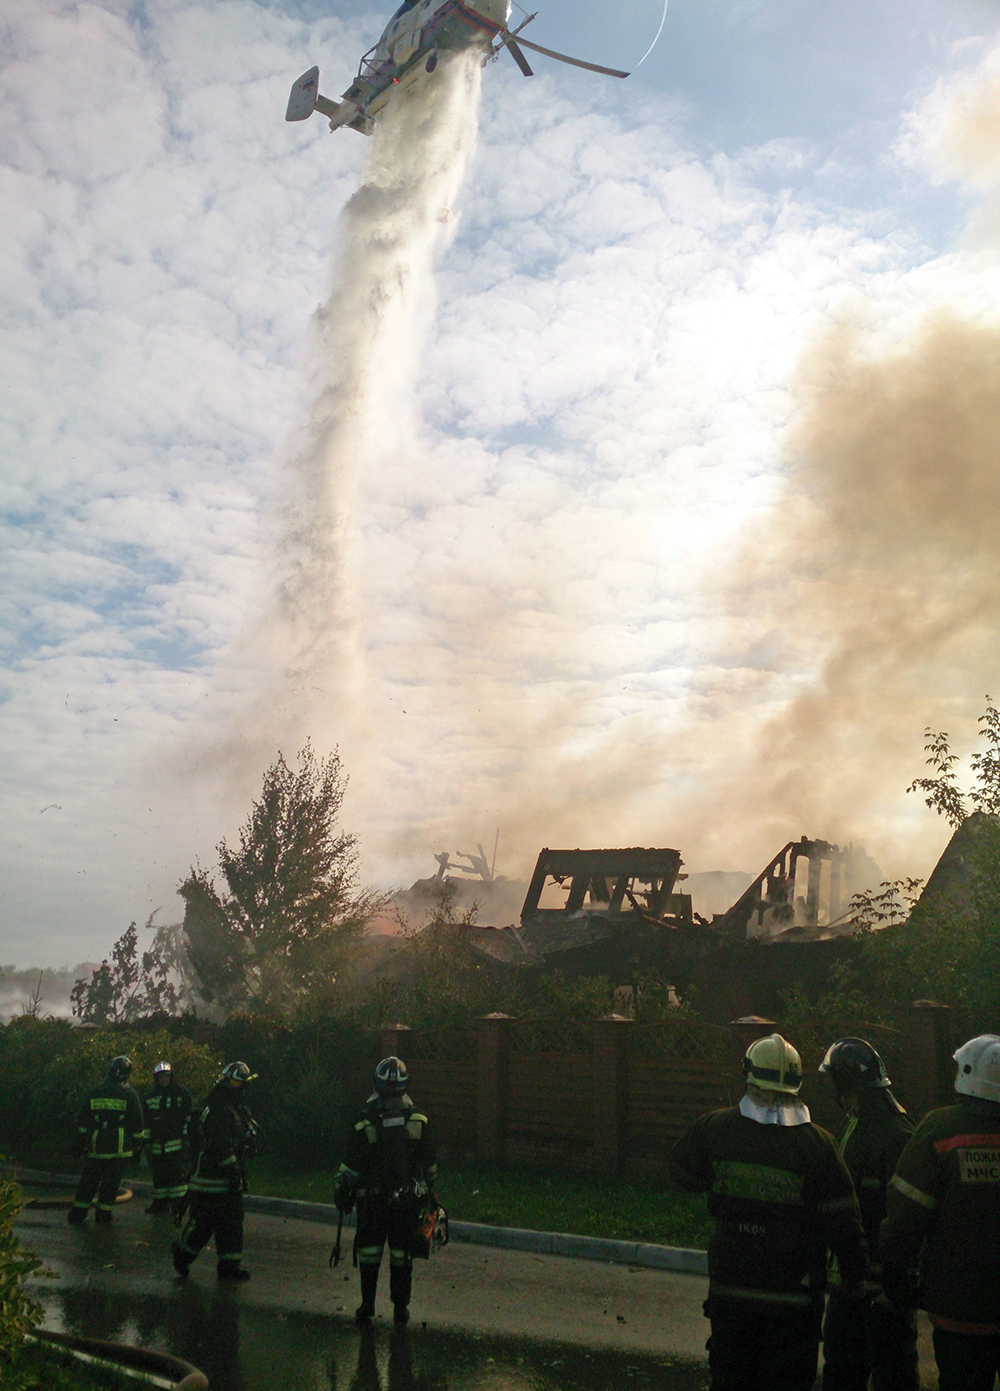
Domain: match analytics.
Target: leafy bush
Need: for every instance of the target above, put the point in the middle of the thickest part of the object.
(47, 1065)
(18, 1313)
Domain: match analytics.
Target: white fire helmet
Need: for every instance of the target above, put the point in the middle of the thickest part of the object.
(979, 1067)
(773, 1065)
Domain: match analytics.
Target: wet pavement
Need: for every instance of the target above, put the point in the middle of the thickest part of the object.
(483, 1319)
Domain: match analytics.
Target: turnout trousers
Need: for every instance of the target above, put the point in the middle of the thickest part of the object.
(966, 1361)
(169, 1174)
(101, 1177)
(218, 1215)
(381, 1220)
(755, 1347)
(869, 1339)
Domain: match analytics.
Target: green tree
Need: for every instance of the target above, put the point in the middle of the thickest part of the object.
(130, 986)
(276, 936)
(942, 792)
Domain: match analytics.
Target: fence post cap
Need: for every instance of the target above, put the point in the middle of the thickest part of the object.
(396, 1028)
(929, 1004)
(613, 1019)
(496, 1016)
(755, 1019)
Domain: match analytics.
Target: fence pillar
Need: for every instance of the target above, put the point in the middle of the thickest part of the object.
(394, 1039)
(929, 1048)
(609, 1090)
(493, 1046)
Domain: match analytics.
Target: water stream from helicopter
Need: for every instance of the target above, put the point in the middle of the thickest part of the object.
(362, 362)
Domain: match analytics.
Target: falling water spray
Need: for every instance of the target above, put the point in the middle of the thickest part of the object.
(363, 357)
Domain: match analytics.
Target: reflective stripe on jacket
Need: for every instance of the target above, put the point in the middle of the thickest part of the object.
(390, 1148)
(109, 1121)
(168, 1116)
(946, 1190)
(780, 1197)
(222, 1128)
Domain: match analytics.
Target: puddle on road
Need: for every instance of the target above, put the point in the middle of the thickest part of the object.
(241, 1348)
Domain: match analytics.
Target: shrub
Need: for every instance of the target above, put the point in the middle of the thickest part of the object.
(18, 1313)
(47, 1065)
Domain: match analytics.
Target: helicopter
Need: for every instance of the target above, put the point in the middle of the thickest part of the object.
(408, 52)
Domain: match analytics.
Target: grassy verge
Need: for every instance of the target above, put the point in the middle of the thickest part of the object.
(42, 1369)
(545, 1202)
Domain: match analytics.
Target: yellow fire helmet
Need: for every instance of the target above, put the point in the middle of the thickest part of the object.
(773, 1065)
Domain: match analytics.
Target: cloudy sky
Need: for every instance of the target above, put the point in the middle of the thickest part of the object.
(644, 574)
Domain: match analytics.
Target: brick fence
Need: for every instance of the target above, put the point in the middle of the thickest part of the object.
(611, 1097)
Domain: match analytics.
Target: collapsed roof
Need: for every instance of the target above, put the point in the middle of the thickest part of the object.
(577, 898)
(595, 909)
(804, 892)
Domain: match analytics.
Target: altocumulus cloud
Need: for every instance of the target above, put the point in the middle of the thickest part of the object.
(599, 420)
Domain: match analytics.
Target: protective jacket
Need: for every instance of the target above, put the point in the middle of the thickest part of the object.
(946, 1189)
(168, 1117)
(109, 1122)
(390, 1150)
(780, 1196)
(871, 1143)
(223, 1142)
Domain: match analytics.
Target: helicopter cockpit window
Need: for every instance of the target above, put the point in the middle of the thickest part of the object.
(406, 5)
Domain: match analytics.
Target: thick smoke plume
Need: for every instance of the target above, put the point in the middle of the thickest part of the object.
(878, 578)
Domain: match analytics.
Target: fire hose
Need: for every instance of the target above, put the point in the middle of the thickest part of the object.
(184, 1376)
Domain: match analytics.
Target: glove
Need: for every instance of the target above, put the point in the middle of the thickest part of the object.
(343, 1197)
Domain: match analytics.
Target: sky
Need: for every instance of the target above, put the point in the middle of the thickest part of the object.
(691, 529)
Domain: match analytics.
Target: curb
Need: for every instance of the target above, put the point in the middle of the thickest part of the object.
(646, 1255)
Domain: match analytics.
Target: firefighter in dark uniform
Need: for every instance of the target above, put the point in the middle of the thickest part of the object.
(944, 1200)
(388, 1171)
(780, 1196)
(224, 1137)
(879, 1340)
(110, 1130)
(168, 1117)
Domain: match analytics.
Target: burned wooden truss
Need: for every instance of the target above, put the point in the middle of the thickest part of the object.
(805, 889)
(635, 885)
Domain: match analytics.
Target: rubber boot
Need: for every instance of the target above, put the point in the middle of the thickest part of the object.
(104, 1218)
(158, 1205)
(400, 1287)
(231, 1270)
(76, 1216)
(182, 1262)
(369, 1284)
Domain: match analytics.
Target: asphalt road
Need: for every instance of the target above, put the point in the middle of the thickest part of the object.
(103, 1279)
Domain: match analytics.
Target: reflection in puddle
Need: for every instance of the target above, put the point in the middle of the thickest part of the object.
(241, 1348)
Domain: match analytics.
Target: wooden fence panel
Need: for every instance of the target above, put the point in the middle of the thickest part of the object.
(447, 1092)
(548, 1112)
(664, 1097)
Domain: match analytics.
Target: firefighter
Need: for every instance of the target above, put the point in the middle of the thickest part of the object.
(879, 1340)
(110, 1130)
(388, 1172)
(780, 1195)
(945, 1198)
(168, 1116)
(224, 1138)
